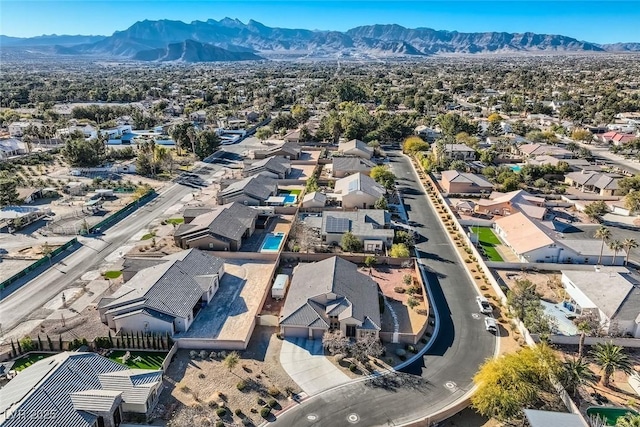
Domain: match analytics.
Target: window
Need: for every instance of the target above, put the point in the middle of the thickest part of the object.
(351, 331)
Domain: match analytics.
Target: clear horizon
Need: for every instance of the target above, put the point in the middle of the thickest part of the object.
(593, 21)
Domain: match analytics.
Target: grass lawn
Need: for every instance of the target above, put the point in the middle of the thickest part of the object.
(28, 360)
(176, 221)
(488, 241)
(113, 274)
(150, 360)
(148, 236)
(295, 192)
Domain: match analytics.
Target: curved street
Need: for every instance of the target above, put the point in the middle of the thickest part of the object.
(444, 374)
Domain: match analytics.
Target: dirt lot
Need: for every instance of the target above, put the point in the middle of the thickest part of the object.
(548, 285)
(196, 387)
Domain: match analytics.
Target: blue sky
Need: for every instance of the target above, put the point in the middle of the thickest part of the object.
(596, 21)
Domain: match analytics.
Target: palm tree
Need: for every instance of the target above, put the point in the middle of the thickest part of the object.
(191, 134)
(629, 420)
(611, 358)
(583, 328)
(629, 244)
(604, 234)
(576, 373)
(616, 246)
(231, 361)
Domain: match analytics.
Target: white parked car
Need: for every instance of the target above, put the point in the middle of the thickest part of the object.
(491, 325)
(484, 306)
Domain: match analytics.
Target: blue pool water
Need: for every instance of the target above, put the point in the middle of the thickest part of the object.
(289, 199)
(516, 168)
(272, 242)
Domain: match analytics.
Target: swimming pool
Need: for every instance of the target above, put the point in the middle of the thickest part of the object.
(515, 168)
(272, 242)
(289, 198)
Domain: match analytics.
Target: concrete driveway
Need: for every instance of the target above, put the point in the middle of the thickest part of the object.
(304, 361)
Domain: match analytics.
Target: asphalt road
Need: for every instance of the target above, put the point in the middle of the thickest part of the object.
(444, 374)
(23, 303)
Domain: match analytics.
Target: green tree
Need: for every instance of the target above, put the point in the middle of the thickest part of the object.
(629, 244)
(370, 261)
(574, 374)
(603, 233)
(350, 242)
(8, 192)
(300, 113)
(582, 135)
(383, 176)
(414, 144)
(515, 381)
(231, 361)
(610, 358)
(404, 237)
(459, 165)
(82, 153)
(264, 133)
(510, 184)
(312, 184)
(399, 250)
(629, 420)
(632, 201)
(206, 143)
(595, 210)
(381, 203)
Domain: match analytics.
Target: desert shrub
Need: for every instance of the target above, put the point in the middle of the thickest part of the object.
(401, 352)
(352, 367)
(193, 354)
(264, 412)
(272, 403)
(219, 424)
(411, 349)
(273, 391)
(238, 412)
(260, 401)
(221, 412)
(185, 388)
(241, 385)
(201, 376)
(422, 311)
(399, 289)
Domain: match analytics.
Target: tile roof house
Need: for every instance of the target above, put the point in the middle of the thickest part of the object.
(508, 203)
(356, 148)
(612, 293)
(290, 150)
(533, 150)
(222, 228)
(340, 298)
(616, 138)
(358, 191)
(370, 226)
(459, 182)
(278, 166)
(164, 298)
(253, 190)
(343, 166)
(75, 389)
(604, 184)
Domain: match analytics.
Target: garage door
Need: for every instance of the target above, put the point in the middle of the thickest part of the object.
(317, 334)
(296, 332)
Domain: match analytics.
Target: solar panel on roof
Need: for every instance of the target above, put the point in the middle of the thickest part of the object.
(337, 225)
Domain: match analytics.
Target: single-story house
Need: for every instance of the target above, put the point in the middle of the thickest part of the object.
(164, 298)
(459, 182)
(370, 226)
(508, 203)
(75, 188)
(290, 150)
(315, 199)
(343, 166)
(612, 293)
(534, 150)
(279, 166)
(220, 229)
(11, 147)
(293, 136)
(604, 184)
(253, 190)
(358, 191)
(355, 148)
(17, 129)
(341, 298)
(78, 389)
(616, 138)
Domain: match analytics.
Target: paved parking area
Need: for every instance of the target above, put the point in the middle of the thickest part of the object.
(304, 361)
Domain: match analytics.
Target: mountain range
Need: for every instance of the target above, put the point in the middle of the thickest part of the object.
(232, 40)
